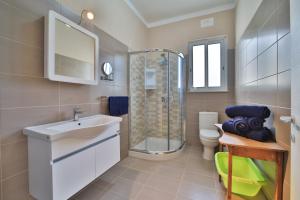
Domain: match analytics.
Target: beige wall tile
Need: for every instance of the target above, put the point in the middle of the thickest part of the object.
(38, 8)
(17, 91)
(16, 187)
(13, 158)
(12, 121)
(67, 111)
(17, 58)
(21, 26)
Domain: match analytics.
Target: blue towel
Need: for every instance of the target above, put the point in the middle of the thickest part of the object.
(237, 126)
(228, 126)
(248, 111)
(262, 135)
(240, 125)
(118, 105)
(255, 123)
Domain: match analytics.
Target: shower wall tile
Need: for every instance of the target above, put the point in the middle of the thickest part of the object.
(28, 99)
(137, 99)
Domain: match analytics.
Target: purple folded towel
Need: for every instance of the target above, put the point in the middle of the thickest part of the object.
(255, 123)
(237, 126)
(262, 135)
(240, 125)
(248, 111)
(227, 126)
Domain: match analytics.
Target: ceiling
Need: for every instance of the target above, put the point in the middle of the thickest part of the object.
(159, 12)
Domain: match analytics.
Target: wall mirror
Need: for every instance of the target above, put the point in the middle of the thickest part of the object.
(108, 72)
(107, 69)
(71, 51)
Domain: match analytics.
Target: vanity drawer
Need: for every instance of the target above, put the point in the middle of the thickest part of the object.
(107, 154)
(73, 173)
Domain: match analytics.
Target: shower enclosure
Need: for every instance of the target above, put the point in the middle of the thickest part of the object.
(157, 100)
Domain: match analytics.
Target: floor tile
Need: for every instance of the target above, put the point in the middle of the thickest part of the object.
(169, 172)
(145, 165)
(125, 188)
(148, 193)
(196, 191)
(200, 179)
(163, 184)
(135, 175)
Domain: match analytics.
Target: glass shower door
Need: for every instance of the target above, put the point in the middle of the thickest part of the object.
(156, 102)
(175, 101)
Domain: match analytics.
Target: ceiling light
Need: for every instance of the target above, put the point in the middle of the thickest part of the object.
(90, 15)
(86, 14)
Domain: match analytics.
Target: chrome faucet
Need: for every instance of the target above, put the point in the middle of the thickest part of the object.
(76, 112)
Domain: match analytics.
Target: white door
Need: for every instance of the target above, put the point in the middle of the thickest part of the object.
(295, 90)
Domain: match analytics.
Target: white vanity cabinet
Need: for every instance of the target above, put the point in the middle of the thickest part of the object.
(61, 167)
(72, 174)
(105, 160)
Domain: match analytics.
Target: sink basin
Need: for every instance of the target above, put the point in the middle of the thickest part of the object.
(84, 127)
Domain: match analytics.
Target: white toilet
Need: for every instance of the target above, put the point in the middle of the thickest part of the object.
(208, 133)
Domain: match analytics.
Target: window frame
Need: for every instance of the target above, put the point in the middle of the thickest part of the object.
(224, 68)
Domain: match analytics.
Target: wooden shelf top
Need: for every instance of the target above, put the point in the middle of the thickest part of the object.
(238, 141)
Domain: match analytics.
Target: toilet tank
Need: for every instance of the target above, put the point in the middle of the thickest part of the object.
(207, 120)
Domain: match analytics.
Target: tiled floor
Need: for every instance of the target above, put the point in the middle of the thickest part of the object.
(187, 177)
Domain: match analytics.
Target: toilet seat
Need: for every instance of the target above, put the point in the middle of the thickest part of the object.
(209, 134)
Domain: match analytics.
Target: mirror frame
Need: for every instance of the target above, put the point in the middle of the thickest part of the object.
(49, 69)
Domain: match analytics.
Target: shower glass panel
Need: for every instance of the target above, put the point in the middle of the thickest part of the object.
(157, 92)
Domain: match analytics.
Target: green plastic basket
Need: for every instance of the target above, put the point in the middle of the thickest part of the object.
(246, 177)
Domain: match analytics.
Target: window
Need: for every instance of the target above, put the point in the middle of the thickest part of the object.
(208, 67)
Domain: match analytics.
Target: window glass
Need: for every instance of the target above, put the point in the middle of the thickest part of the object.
(199, 66)
(214, 65)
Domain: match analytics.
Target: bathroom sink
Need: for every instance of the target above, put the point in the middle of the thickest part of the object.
(84, 127)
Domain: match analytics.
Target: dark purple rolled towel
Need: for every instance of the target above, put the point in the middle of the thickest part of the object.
(262, 135)
(248, 111)
(255, 123)
(228, 126)
(237, 126)
(240, 125)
